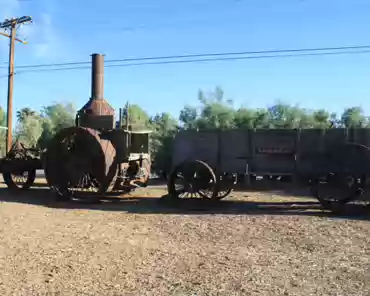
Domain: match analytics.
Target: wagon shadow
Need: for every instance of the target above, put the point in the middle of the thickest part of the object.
(165, 205)
(275, 187)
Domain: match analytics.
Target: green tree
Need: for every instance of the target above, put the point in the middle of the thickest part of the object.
(245, 118)
(137, 116)
(262, 119)
(24, 113)
(188, 117)
(283, 115)
(29, 130)
(354, 117)
(54, 118)
(216, 112)
(164, 127)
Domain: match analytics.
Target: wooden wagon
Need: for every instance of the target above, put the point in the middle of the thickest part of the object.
(209, 163)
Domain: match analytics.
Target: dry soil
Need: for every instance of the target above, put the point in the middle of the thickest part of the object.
(254, 244)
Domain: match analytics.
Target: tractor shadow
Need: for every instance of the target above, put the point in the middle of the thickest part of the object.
(166, 205)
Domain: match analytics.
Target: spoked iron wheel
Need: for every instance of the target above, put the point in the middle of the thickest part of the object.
(81, 183)
(335, 190)
(225, 185)
(193, 179)
(19, 180)
(222, 193)
(344, 188)
(78, 163)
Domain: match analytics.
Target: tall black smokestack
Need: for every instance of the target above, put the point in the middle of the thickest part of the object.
(96, 113)
(97, 77)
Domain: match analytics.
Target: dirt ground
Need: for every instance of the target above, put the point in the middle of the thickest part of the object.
(254, 243)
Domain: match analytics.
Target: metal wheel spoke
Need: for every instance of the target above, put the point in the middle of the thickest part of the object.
(198, 180)
(20, 179)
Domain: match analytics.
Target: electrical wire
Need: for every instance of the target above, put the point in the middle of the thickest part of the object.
(203, 55)
(201, 60)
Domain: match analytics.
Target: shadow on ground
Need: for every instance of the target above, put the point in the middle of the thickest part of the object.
(266, 186)
(166, 205)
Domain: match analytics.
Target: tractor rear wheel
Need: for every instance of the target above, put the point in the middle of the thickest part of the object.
(80, 164)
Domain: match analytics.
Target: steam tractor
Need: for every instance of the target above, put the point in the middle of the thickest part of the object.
(92, 158)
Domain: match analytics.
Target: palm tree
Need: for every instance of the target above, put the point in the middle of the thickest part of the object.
(25, 112)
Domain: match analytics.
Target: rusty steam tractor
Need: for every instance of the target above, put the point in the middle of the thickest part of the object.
(93, 158)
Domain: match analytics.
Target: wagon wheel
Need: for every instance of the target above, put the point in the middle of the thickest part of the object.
(222, 193)
(226, 183)
(19, 180)
(346, 182)
(224, 186)
(335, 190)
(193, 179)
(79, 163)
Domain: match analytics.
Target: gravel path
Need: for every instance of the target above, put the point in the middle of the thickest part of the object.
(138, 247)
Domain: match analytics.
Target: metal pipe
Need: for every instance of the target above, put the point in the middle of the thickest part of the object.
(97, 77)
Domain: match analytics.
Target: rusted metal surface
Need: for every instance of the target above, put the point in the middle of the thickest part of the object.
(133, 174)
(97, 113)
(78, 159)
(91, 158)
(97, 77)
(93, 155)
(97, 105)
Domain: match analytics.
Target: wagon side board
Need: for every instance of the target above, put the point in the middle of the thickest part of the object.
(298, 153)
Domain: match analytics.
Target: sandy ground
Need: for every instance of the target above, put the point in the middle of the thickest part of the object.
(252, 244)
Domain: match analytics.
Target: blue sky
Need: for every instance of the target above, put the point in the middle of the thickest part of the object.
(68, 30)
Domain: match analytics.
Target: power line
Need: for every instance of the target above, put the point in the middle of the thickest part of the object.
(202, 60)
(203, 55)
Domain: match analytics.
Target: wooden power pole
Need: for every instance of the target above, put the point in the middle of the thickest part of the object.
(11, 25)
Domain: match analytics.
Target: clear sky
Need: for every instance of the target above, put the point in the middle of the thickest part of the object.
(71, 30)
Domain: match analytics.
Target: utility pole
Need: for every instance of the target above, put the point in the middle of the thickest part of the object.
(11, 25)
(127, 123)
(127, 116)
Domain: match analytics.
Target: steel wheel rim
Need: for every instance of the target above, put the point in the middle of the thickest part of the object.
(71, 165)
(87, 186)
(193, 182)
